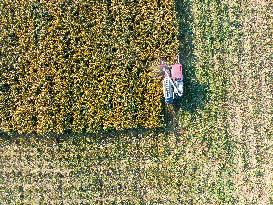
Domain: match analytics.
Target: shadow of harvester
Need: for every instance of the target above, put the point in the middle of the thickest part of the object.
(195, 94)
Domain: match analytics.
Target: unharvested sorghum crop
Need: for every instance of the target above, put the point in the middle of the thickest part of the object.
(82, 65)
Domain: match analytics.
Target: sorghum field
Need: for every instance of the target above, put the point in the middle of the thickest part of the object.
(83, 66)
(216, 147)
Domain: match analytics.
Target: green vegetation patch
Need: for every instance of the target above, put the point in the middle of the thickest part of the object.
(83, 66)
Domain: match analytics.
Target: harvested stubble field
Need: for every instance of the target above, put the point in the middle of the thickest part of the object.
(217, 148)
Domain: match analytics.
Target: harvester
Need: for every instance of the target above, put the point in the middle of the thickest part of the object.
(172, 81)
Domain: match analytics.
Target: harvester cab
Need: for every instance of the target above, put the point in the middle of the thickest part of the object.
(172, 81)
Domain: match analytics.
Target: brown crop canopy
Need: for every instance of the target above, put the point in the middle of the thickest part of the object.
(81, 65)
